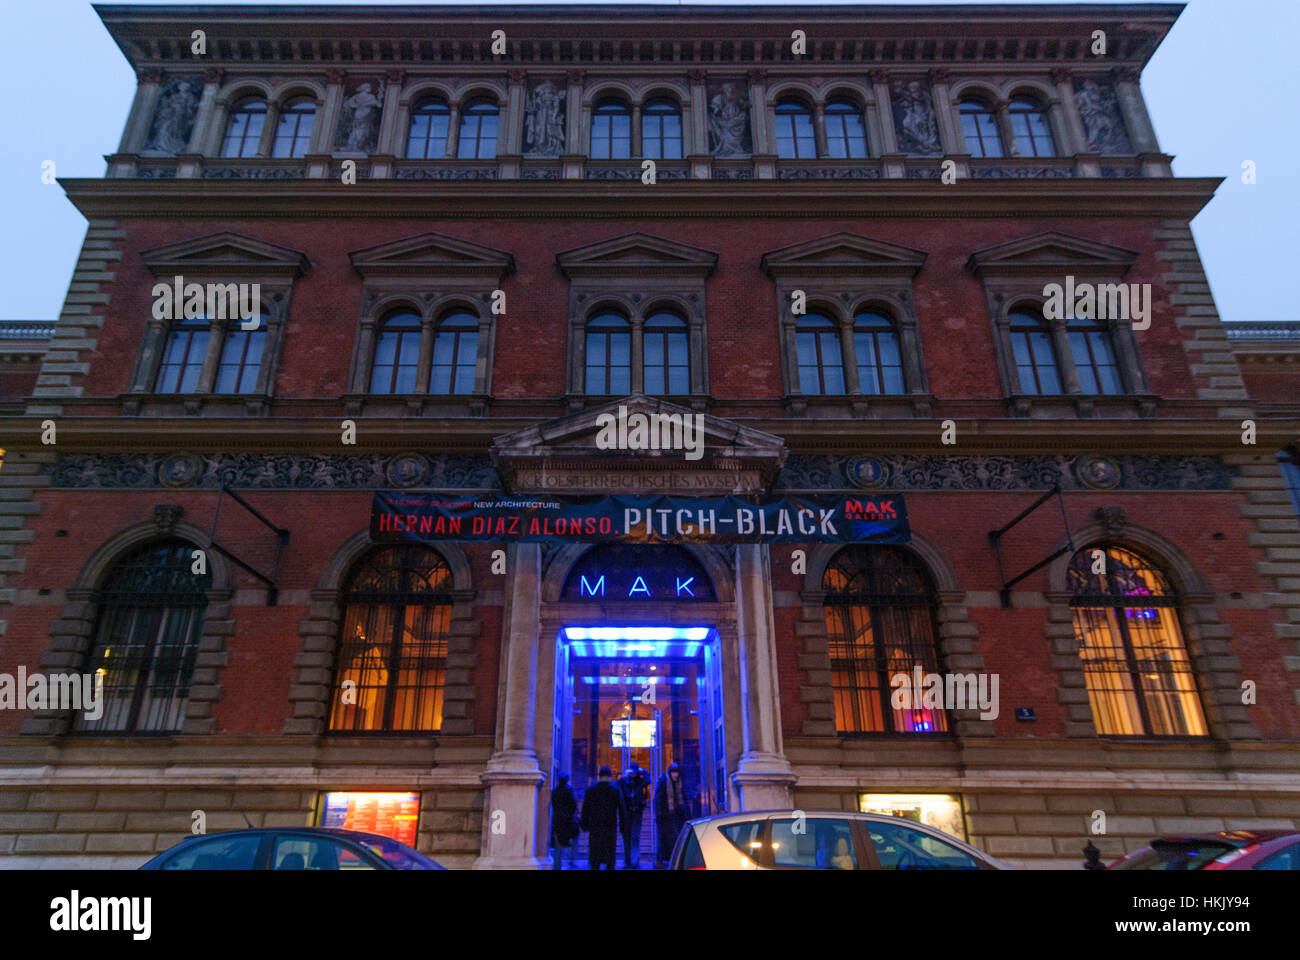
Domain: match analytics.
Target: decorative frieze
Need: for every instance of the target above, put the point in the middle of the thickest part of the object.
(907, 472)
(253, 471)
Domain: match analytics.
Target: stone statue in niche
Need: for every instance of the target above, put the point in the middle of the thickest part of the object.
(914, 122)
(1099, 111)
(729, 130)
(544, 121)
(173, 120)
(358, 130)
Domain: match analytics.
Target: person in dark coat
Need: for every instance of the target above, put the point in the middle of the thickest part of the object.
(635, 788)
(564, 820)
(603, 814)
(671, 812)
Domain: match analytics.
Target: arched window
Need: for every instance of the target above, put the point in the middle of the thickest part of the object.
(661, 130)
(1094, 357)
(611, 131)
(1030, 128)
(880, 365)
(609, 355)
(187, 343)
(430, 123)
(846, 135)
(151, 607)
(478, 131)
(397, 354)
(667, 359)
(794, 131)
(293, 132)
(880, 621)
(1035, 359)
(244, 129)
(1139, 677)
(241, 358)
(392, 656)
(979, 125)
(455, 354)
(821, 365)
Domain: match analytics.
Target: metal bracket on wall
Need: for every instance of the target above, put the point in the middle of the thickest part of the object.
(995, 538)
(281, 538)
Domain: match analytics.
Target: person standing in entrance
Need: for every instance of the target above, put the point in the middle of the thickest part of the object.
(603, 814)
(564, 820)
(671, 812)
(634, 788)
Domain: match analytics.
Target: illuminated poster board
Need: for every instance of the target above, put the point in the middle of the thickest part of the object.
(393, 815)
(632, 733)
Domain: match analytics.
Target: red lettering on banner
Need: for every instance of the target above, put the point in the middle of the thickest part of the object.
(514, 524)
(455, 524)
(476, 526)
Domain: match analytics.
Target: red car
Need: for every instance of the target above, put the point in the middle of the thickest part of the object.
(1226, 850)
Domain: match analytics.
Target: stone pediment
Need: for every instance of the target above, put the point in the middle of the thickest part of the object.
(566, 455)
(636, 254)
(225, 255)
(1051, 254)
(432, 255)
(842, 253)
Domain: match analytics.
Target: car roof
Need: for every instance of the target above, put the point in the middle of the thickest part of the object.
(330, 831)
(1239, 838)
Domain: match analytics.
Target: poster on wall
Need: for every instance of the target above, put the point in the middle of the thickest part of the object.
(395, 815)
(430, 517)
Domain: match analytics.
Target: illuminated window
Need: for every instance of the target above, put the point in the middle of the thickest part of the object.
(794, 131)
(609, 355)
(187, 344)
(611, 131)
(667, 359)
(293, 132)
(244, 129)
(880, 610)
(979, 125)
(939, 810)
(392, 656)
(845, 134)
(478, 131)
(1031, 130)
(1140, 680)
(430, 123)
(661, 130)
(1036, 363)
(151, 607)
(821, 366)
(880, 365)
(455, 354)
(397, 354)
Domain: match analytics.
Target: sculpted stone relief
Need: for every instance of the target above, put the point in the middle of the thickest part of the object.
(914, 121)
(730, 134)
(544, 120)
(359, 115)
(173, 118)
(1099, 110)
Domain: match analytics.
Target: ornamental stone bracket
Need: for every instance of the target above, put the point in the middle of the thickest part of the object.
(567, 455)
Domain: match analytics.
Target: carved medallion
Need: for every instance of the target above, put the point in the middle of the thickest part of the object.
(866, 472)
(407, 470)
(179, 470)
(1100, 473)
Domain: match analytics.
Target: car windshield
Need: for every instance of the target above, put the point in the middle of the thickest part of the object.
(397, 855)
(1177, 855)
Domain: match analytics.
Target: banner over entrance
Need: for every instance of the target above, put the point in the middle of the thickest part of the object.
(430, 517)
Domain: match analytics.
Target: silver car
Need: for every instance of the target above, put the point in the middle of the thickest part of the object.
(821, 840)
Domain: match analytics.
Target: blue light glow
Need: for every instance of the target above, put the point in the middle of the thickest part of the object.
(635, 681)
(636, 633)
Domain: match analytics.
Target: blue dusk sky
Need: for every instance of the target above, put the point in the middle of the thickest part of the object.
(1222, 89)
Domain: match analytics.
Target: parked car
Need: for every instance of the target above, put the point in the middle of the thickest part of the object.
(291, 848)
(821, 840)
(1226, 850)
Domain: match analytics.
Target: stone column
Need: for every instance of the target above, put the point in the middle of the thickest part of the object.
(365, 351)
(453, 133)
(1006, 132)
(1064, 357)
(882, 113)
(698, 123)
(1086, 162)
(1133, 109)
(949, 133)
(819, 129)
(513, 775)
(763, 778)
(381, 162)
(574, 149)
(1130, 364)
(424, 364)
(211, 356)
(155, 339)
(637, 358)
(637, 146)
(266, 143)
(848, 358)
(763, 126)
(511, 134)
(207, 105)
(322, 140)
(148, 90)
